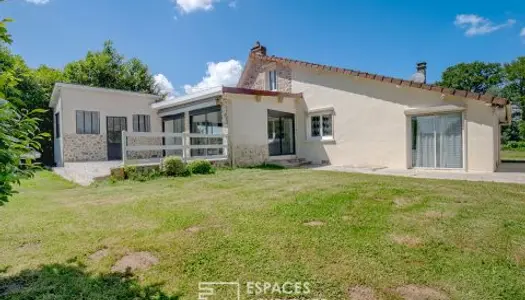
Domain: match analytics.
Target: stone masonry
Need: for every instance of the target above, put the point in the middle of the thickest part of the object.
(257, 75)
(85, 147)
(144, 141)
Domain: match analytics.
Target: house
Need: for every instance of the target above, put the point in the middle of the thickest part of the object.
(285, 109)
(89, 121)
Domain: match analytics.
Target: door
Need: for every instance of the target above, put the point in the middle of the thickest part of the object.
(437, 141)
(281, 133)
(173, 124)
(115, 126)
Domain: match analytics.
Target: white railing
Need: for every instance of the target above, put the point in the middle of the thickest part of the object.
(162, 144)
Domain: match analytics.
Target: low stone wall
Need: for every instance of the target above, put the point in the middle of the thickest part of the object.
(250, 155)
(144, 141)
(85, 147)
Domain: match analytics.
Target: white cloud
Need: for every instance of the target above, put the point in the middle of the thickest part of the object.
(232, 4)
(164, 86)
(188, 6)
(476, 25)
(522, 33)
(38, 2)
(222, 73)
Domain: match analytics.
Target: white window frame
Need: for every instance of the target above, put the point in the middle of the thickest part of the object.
(272, 74)
(321, 137)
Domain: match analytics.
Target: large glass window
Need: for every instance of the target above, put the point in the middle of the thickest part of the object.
(437, 141)
(272, 80)
(173, 124)
(206, 121)
(88, 122)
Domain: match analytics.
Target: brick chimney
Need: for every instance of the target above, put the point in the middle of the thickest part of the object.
(258, 49)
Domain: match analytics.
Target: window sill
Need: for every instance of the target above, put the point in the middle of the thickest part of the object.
(321, 140)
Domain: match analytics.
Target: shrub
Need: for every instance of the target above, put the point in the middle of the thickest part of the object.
(174, 166)
(513, 145)
(201, 167)
(141, 173)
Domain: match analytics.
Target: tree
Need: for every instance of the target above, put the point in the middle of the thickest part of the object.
(19, 144)
(109, 69)
(5, 37)
(476, 77)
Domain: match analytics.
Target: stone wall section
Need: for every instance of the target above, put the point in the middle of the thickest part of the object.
(85, 147)
(257, 77)
(250, 155)
(144, 141)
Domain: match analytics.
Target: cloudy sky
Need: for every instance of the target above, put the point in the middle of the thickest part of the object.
(196, 44)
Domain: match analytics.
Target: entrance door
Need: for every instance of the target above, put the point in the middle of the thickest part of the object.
(281, 133)
(115, 126)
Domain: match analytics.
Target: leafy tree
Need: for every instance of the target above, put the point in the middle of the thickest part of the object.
(19, 143)
(109, 69)
(5, 37)
(476, 77)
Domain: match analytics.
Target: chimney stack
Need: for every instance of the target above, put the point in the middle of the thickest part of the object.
(258, 49)
(421, 74)
(422, 68)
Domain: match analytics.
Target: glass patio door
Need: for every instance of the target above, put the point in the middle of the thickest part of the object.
(437, 141)
(281, 133)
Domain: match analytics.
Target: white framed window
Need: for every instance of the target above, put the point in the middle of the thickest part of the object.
(272, 80)
(320, 126)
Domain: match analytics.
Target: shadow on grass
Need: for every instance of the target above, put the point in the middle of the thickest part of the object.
(58, 281)
(266, 166)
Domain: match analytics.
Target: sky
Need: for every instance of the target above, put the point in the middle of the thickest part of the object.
(194, 44)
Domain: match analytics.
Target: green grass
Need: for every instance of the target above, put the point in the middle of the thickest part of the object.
(466, 239)
(513, 154)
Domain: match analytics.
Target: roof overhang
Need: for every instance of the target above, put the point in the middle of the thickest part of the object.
(57, 90)
(219, 92)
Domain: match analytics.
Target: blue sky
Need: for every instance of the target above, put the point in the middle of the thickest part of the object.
(185, 39)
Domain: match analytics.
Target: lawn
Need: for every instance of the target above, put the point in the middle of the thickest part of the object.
(513, 154)
(339, 232)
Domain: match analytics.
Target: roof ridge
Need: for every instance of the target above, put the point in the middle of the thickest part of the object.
(485, 97)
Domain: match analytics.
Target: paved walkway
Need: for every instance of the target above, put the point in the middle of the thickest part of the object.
(508, 172)
(85, 173)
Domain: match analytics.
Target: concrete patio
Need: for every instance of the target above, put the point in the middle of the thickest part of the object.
(507, 172)
(85, 173)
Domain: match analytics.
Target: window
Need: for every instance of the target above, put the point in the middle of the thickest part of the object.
(206, 121)
(437, 141)
(321, 127)
(272, 80)
(141, 123)
(88, 122)
(57, 125)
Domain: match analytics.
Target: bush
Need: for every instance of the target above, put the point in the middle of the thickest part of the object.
(140, 173)
(174, 166)
(514, 145)
(201, 167)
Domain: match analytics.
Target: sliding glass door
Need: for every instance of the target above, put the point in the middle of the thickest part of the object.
(173, 124)
(437, 141)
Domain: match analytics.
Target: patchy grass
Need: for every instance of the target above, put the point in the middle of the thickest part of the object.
(381, 236)
(513, 154)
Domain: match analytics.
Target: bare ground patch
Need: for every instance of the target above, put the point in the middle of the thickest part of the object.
(29, 246)
(433, 214)
(360, 292)
(135, 261)
(98, 255)
(407, 240)
(314, 223)
(418, 292)
(404, 202)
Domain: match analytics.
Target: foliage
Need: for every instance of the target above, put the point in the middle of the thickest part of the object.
(19, 143)
(141, 173)
(476, 77)
(5, 37)
(174, 166)
(201, 166)
(514, 145)
(108, 69)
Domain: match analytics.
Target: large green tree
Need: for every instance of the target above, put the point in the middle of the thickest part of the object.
(476, 77)
(20, 135)
(109, 69)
